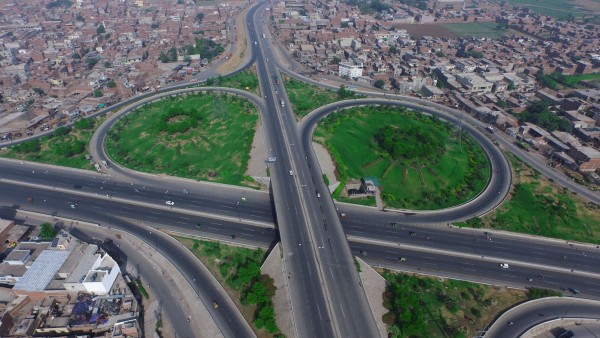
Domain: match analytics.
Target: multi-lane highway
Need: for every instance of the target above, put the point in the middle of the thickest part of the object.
(325, 294)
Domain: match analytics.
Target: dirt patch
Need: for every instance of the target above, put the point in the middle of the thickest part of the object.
(591, 5)
(417, 31)
(241, 43)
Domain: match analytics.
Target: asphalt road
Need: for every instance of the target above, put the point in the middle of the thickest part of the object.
(518, 320)
(547, 254)
(313, 241)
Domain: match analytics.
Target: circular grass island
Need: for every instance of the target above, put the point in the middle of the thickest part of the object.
(204, 136)
(419, 161)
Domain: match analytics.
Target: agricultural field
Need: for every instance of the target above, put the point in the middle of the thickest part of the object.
(420, 161)
(539, 207)
(561, 9)
(478, 29)
(200, 136)
(66, 146)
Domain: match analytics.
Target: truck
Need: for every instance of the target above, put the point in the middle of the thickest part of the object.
(282, 103)
(264, 37)
(490, 129)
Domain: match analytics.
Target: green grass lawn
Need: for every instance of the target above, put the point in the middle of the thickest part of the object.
(430, 307)
(306, 98)
(538, 206)
(215, 148)
(573, 81)
(67, 149)
(238, 270)
(245, 80)
(478, 29)
(451, 178)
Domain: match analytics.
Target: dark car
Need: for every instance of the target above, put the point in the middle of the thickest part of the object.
(77, 186)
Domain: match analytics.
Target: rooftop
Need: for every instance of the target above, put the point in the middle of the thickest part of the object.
(42, 271)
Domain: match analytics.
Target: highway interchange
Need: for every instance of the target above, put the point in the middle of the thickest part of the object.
(315, 248)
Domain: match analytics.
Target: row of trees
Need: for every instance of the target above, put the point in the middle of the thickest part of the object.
(206, 48)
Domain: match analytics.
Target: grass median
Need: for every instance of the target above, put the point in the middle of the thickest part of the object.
(421, 162)
(306, 98)
(238, 270)
(200, 136)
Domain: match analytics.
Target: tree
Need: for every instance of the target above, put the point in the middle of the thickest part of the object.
(91, 62)
(38, 91)
(511, 86)
(344, 93)
(345, 24)
(79, 17)
(379, 83)
(100, 29)
(199, 17)
(98, 93)
(336, 60)
(111, 84)
(76, 56)
(47, 231)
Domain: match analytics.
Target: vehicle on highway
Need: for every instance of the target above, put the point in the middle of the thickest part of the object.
(402, 259)
(30, 199)
(413, 234)
(395, 225)
(530, 279)
(318, 195)
(490, 129)
(363, 253)
(215, 305)
(282, 103)
(540, 277)
(74, 205)
(574, 291)
(271, 159)
(170, 203)
(504, 265)
(232, 236)
(256, 43)
(77, 186)
(291, 173)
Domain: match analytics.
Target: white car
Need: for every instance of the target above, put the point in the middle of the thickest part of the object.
(291, 173)
(170, 203)
(504, 265)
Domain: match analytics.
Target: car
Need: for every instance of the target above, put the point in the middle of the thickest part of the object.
(232, 236)
(402, 259)
(395, 225)
(530, 279)
(74, 205)
(318, 195)
(215, 305)
(77, 186)
(291, 173)
(504, 265)
(413, 234)
(540, 277)
(362, 252)
(170, 203)
(574, 291)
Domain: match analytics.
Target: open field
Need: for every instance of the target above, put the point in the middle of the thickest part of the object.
(574, 81)
(433, 307)
(66, 146)
(478, 29)
(306, 98)
(539, 207)
(560, 9)
(200, 136)
(238, 271)
(449, 175)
